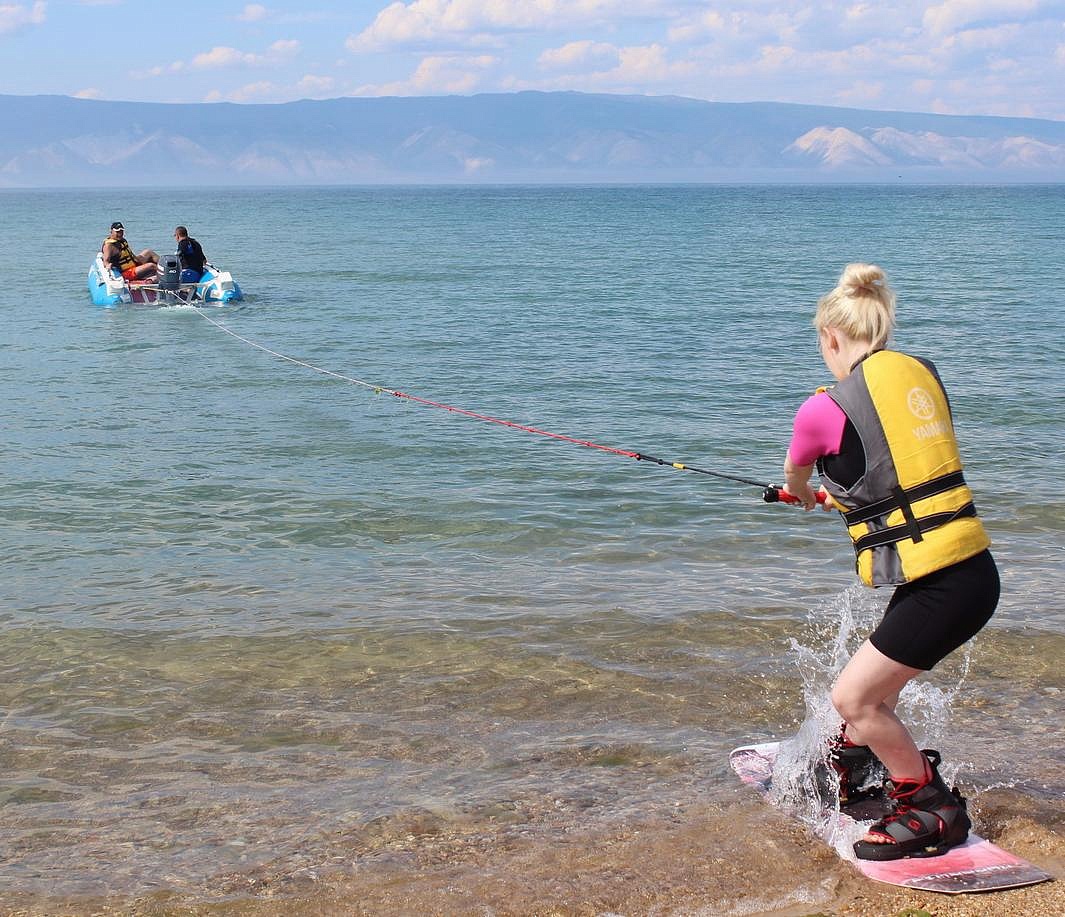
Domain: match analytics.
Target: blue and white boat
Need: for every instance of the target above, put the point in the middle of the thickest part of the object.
(109, 288)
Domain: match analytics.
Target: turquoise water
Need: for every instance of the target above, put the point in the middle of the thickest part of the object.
(248, 610)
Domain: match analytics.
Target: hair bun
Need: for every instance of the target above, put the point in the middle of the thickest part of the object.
(862, 305)
(862, 279)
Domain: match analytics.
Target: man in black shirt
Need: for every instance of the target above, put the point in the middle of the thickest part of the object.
(192, 257)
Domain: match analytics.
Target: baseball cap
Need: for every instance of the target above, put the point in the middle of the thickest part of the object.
(117, 225)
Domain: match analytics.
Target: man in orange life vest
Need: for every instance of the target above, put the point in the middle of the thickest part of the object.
(119, 255)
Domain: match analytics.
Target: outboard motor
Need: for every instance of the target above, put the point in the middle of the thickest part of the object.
(169, 273)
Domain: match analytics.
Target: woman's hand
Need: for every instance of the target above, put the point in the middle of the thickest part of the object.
(797, 483)
(804, 494)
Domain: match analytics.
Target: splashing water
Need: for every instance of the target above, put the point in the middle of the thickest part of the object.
(842, 624)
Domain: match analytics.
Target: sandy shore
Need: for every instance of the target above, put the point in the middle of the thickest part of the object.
(693, 863)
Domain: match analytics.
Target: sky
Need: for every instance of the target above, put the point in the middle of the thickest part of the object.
(989, 57)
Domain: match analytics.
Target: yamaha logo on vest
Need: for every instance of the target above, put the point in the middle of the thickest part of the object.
(923, 407)
(921, 404)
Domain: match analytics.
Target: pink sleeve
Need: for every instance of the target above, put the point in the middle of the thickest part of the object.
(818, 430)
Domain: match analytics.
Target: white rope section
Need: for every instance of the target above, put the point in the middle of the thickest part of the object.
(425, 401)
(282, 356)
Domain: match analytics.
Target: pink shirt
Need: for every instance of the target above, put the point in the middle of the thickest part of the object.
(817, 431)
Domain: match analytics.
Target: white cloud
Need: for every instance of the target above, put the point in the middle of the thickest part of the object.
(15, 16)
(451, 74)
(861, 94)
(222, 57)
(307, 86)
(252, 12)
(219, 57)
(158, 70)
(258, 90)
(311, 85)
(740, 28)
(645, 64)
(693, 28)
(263, 89)
(88, 94)
(956, 14)
(430, 22)
(635, 69)
(286, 47)
(576, 54)
(983, 39)
(782, 57)
(438, 74)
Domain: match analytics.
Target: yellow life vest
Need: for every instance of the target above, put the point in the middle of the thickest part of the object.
(125, 258)
(911, 513)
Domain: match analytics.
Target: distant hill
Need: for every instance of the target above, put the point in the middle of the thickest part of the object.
(513, 137)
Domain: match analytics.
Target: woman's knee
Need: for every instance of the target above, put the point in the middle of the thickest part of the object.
(849, 704)
(840, 700)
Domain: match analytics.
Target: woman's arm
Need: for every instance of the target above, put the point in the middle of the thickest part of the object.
(797, 482)
(818, 431)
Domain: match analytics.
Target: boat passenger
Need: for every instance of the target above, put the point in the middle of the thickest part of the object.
(191, 254)
(883, 443)
(118, 254)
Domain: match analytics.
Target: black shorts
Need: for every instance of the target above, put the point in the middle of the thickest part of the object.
(931, 617)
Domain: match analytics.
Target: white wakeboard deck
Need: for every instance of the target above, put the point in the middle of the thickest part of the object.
(975, 866)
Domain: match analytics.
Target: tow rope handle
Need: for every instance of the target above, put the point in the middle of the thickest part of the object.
(771, 493)
(778, 495)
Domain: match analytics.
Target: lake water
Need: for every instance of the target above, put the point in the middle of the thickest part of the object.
(264, 633)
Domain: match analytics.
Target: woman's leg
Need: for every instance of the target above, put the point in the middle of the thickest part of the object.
(865, 695)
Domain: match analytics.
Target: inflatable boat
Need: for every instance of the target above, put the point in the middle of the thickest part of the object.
(108, 288)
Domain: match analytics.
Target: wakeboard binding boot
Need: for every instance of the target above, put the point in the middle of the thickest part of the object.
(849, 772)
(927, 819)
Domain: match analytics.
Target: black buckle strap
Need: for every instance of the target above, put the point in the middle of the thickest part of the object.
(922, 491)
(907, 513)
(901, 532)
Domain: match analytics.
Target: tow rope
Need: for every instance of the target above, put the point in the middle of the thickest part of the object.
(771, 493)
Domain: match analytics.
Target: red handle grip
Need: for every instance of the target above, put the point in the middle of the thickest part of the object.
(779, 495)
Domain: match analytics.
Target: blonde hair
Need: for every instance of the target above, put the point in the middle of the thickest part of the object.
(862, 305)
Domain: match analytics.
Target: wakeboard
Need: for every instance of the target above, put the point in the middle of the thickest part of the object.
(975, 866)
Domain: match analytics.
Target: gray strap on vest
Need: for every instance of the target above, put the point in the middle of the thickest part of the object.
(901, 532)
(912, 494)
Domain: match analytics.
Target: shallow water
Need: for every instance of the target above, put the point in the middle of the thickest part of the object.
(255, 620)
